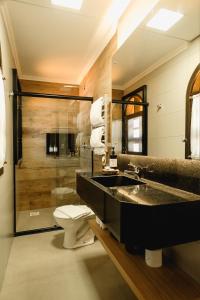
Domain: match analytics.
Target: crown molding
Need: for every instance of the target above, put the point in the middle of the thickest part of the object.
(11, 38)
(117, 87)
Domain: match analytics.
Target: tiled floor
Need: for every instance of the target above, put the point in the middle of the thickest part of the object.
(40, 269)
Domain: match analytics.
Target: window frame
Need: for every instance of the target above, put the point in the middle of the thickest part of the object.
(188, 113)
(141, 92)
(132, 116)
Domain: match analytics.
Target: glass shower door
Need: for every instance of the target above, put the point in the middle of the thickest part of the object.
(55, 144)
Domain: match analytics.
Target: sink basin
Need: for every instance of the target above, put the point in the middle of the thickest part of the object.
(116, 180)
(137, 214)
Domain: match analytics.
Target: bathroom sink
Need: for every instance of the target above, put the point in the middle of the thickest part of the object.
(116, 180)
(138, 215)
(94, 194)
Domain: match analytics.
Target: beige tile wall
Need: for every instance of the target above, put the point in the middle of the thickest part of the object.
(39, 174)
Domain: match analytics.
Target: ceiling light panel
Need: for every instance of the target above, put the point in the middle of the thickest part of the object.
(74, 4)
(164, 19)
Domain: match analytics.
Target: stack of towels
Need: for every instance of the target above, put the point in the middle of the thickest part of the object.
(74, 211)
(97, 119)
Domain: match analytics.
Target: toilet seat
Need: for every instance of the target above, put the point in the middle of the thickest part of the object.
(60, 215)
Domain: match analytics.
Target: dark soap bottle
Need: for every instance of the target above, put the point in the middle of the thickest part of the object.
(113, 159)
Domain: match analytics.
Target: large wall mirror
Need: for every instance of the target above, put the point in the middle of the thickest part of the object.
(166, 61)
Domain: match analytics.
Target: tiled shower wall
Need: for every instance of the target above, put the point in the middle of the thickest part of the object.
(38, 174)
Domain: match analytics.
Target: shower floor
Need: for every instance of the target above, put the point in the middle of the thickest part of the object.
(35, 219)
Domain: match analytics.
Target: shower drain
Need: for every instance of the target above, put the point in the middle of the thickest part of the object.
(34, 213)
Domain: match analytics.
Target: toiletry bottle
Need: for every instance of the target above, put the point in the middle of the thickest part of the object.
(113, 159)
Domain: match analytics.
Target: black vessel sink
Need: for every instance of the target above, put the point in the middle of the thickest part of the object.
(139, 215)
(116, 180)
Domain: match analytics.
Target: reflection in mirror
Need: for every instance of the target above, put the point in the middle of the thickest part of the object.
(134, 122)
(130, 135)
(164, 61)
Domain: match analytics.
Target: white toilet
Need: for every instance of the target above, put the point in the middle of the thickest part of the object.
(73, 219)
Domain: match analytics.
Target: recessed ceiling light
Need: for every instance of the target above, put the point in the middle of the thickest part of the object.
(75, 4)
(164, 19)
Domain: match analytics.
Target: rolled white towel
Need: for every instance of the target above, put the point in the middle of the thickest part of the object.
(97, 140)
(97, 112)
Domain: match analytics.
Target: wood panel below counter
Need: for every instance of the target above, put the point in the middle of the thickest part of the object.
(165, 283)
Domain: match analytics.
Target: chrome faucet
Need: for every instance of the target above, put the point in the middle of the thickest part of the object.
(137, 171)
(133, 170)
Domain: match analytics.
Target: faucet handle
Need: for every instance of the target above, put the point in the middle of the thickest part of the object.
(150, 169)
(133, 167)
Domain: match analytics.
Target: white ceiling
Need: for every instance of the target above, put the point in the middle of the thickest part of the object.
(58, 44)
(146, 48)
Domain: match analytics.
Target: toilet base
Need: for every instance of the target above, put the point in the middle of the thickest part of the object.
(74, 240)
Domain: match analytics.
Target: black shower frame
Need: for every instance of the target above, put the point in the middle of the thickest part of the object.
(17, 92)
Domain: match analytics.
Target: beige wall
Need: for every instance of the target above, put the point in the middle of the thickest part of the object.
(6, 180)
(167, 86)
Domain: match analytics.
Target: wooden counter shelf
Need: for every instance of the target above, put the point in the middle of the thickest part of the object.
(165, 283)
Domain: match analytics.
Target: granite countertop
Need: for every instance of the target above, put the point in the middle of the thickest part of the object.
(149, 193)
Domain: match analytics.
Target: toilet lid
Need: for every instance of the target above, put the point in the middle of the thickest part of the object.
(72, 212)
(59, 214)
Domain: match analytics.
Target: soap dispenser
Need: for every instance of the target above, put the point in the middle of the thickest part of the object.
(113, 159)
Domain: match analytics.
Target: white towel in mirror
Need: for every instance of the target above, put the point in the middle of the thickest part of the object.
(79, 122)
(79, 139)
(96, 140)
(97, 112)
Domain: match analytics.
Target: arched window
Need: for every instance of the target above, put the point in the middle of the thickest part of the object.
(2, 120)
(192, 149)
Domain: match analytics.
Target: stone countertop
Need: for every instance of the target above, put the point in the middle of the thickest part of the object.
(150, 193)
(171, 190)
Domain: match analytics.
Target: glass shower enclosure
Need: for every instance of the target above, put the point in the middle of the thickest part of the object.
(54, 146)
